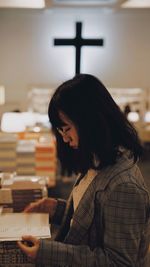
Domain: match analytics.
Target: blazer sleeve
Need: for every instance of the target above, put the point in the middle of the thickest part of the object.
(124, 217)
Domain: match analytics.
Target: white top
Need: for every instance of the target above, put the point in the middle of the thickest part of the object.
(80, 189)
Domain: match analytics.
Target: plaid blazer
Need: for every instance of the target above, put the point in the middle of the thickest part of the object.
(110, 227)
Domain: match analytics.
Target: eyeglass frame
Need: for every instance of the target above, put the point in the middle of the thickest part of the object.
(63, 132)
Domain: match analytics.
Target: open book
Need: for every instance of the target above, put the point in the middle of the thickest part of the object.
(14, 225)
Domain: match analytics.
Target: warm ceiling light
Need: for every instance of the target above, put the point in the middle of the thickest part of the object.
(22, 3)
(136, 4)
(133, 116)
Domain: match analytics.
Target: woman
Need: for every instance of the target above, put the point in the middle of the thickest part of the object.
(105, 221)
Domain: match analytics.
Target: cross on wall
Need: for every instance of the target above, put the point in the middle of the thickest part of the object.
(78, 42)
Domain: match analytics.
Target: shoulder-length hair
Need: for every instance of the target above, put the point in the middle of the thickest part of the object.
(102, 126)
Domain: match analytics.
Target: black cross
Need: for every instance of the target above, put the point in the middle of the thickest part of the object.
(78, 42)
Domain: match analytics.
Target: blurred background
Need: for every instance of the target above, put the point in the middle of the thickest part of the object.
(32, 66)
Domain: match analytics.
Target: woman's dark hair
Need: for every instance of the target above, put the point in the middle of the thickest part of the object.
(102, 126)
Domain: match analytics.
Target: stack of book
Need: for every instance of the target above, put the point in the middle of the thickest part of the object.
(46, 161)
(25, 157)
(12, 256)
(12, 227)
(8, 152)
(29, 157)
(18, 192)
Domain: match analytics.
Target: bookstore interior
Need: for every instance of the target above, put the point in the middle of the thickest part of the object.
(27, 145)
(29, 168)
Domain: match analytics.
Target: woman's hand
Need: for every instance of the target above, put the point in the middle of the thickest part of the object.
(44, 205)
(29, 246)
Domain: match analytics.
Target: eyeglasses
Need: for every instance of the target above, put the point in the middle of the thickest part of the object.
(62, 131)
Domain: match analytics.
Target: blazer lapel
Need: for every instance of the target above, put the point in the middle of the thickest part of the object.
(83, 216)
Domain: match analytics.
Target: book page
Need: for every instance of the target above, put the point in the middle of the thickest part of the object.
(14, 225)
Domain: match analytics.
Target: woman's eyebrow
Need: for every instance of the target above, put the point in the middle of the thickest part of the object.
(67, 126)
(63, 125)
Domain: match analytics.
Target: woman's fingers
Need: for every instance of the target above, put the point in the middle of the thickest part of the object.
(30, 238)
(31, 207)
(37, 206)
(44, 205)
(29, 245)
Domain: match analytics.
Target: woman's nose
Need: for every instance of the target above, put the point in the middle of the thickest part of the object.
(66, 138)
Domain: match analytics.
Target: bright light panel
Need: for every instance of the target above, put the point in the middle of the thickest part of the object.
(136, 4)
(23, 3)
(2, 95)
(147, 117)
(12, 122)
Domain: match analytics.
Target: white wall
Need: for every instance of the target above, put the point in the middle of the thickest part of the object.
(28, 57)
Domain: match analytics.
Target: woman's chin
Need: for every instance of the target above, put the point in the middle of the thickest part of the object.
(74, 146)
